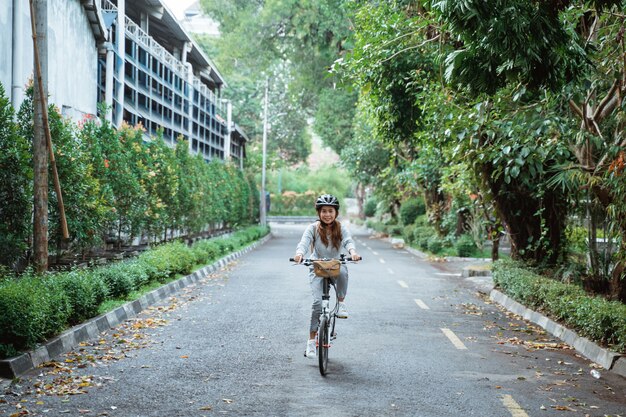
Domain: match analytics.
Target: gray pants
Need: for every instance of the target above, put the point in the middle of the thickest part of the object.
(317, 288)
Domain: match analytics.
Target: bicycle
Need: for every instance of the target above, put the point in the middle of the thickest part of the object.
(326, 328)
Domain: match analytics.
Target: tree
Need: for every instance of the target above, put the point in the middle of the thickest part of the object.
(15, 186)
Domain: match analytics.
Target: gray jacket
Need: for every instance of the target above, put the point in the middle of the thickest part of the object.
(320, 250)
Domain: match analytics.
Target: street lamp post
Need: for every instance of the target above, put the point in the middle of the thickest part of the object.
(263, 206)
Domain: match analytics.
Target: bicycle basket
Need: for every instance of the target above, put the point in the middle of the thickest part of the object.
(330, 268)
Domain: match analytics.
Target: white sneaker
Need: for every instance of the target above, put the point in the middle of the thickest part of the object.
(310, 349)
(342, 311)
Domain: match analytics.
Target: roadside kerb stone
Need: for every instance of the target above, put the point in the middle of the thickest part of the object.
(604, 357)
(91, 329)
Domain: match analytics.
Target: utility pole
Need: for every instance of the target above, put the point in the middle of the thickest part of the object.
(263, 207)
(39, 14)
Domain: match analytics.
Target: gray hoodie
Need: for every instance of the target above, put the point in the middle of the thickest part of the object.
(320, 250)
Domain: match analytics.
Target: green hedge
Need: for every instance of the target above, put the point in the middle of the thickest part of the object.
(593, 317)
(34, 308)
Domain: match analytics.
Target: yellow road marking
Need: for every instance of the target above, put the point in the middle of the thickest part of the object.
(514, 408)
(421, 304)
(403, 284)
(454, 339)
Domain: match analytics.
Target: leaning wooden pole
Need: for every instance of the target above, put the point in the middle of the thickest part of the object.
(46, 126)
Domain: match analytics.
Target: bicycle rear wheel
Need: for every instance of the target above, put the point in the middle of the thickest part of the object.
(323, 342)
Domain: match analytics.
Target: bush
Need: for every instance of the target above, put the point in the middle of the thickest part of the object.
(593, 317)
(407, 233)
(410, 209)
(435, 244)
(394, 230)
(369, 208)
(32, 308)
(465, 246)
(118, 283)
(85, 292)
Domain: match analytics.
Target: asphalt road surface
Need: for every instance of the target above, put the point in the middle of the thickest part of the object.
(420, 341)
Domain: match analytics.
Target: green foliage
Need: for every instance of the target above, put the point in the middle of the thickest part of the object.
(15, 186)
(300, 187)
(37, 307)
(410, 209)
(504, 41)
(334, 117)
(422, 235)
(85, 292)
(593, 317)
(33, 308)
(435, 244)
(465, 246)
(370, 207)
(408, 233)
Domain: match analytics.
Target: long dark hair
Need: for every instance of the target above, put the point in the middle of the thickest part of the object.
(333, 230)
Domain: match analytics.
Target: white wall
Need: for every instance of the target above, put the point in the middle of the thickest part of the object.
(6, 11)
(73, 59)
(72, 55)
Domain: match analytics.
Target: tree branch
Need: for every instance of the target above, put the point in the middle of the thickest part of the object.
(409, 48)
(609, 102)
(575, 108)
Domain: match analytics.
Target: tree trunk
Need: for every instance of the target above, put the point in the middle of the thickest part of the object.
(40, 147)
(536, 226)
(495, 245)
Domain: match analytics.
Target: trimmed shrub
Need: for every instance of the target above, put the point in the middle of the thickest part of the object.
(119, 284)
(465, 246)
(369, 208)
(410, 209)
(407, 233)
(32, 309)
(593, 317)
(85, 292)
(435, 244)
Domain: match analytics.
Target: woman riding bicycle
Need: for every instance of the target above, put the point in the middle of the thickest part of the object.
(324, 239)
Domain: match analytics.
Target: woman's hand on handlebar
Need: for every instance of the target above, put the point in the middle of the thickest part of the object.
(355, 256)
(298, 258)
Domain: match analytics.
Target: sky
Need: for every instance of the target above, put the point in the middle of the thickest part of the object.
(178, 6)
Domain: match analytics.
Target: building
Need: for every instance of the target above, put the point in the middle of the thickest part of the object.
(133, 56)
(195, 21)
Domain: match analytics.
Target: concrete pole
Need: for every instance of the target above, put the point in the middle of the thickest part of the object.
(263, 207)
(109, 80)
(17, 83)
(190, 94)
(40, 147)
(229, 130)
(120, 38)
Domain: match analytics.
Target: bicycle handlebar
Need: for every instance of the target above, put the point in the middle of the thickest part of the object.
(343, 259)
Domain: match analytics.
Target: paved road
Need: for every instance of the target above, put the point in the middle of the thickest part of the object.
(420, 342)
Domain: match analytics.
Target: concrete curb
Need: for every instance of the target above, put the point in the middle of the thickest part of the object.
(90, 330)
(612, 361)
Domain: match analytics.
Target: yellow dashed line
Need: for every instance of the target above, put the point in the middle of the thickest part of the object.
(454, 339)
(514, 408)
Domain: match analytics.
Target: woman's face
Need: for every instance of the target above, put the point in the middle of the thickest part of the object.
(328, 214)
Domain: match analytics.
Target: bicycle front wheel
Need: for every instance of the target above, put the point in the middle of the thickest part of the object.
(323, 342)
